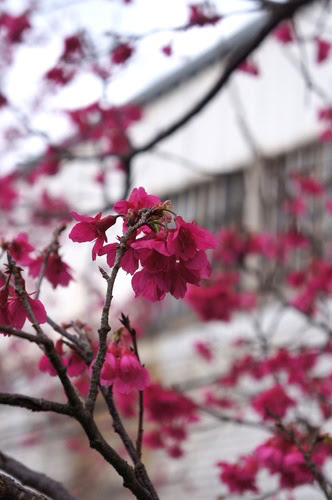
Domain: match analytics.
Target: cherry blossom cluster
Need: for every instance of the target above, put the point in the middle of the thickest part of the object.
(13, 312)
(170, 412)
(281, 457)
(305, 283)
(162, 259)
(57, 272)
(286, 454)
(123, 370)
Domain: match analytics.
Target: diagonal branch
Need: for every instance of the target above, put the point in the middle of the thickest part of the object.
(21, 335)
(120, 429)
(49, 349)
(51, 248)
(11, 490)
(28, 477)
(275, 13)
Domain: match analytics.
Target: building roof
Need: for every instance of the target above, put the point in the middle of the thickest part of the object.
(217, 53)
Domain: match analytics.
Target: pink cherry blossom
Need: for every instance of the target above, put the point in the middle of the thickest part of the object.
(123, 370)
(297, 206)
(273, 403)
(326, 135)
(20, 248)
(203, 15)
(70, 359)
(14, 26)
(250, 68)
(131, 374)
(219, 298)
(328, 205)
(167, 50)
(308, 185)
(45, 366)
(90, 229)
(18, 314)
(204, 350)
(121, 53)
(129, 261)
(8, 194)
(57, 272)
(240, 477)
(138, 199)
(284, 33)
(4, 306)
(167, 406)
(50, 209)
(126, 403)
(187, 238)
(323, 48)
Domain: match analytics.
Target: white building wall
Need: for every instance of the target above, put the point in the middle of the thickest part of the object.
(277, 106)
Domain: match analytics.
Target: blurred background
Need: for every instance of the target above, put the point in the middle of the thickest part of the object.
(62, 149)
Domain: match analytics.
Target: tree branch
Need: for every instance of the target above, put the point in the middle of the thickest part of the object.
(104, 326)
(275, 13)
(35, 404)
(52, 247)
(49, 349)
(33, 479)
(21, 335)
(11, 490)
(97, 442)
(126, 323)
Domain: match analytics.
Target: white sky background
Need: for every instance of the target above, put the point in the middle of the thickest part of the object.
(62, 18)
(97, 16)
(59, 18)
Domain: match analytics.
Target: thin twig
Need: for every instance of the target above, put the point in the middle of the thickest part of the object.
(140, 431)
(49, 349)
(234, 420)
(51, 248)
(74, 342)
(104, 325)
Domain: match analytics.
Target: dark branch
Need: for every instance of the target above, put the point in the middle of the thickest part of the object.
(52, 247)
(34, 404)
(40, 482)
(21, 335)
(275, 13)
(11, 490)
(104, 325)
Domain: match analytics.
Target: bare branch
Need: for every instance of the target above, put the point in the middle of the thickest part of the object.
(314, 469)
(121, 431)
(35, 404)
(11, 490)
(275, 13)
(126, 323)
(52, 247)
(21, 335)
(104, 326)
(33, 479)
(49, 349)
(97, 442)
